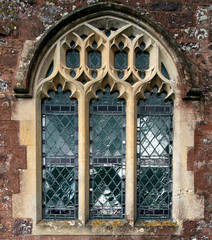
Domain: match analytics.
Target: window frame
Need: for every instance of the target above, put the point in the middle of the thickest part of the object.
(84, 94)
(31, 124)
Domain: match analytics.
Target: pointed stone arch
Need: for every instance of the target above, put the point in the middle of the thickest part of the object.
(35, 52)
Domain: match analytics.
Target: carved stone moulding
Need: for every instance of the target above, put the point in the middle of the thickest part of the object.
(106, 50)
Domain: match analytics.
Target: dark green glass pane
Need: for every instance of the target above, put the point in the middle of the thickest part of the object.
(142, 60)
(154, 190)
(105, 185)
(59, 184)
(72, 58)
(94, 59)
(50, 193)
(50, 69)
(121, 60)
(164, 71)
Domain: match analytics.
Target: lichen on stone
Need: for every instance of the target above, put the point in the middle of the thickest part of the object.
(199, 34)
(58, 224)
(190, 46)
(202, 14)
(105, 223)
(3, 85)
(158, 224)
(17, 9)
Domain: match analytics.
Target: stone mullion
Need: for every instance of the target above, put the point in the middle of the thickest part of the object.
(83, 175)
(131, 176)
(83, 118)
(83, 56)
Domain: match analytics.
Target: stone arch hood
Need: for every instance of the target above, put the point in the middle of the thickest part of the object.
(34, 51)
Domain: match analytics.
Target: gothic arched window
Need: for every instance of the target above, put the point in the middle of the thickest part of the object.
(105, 64)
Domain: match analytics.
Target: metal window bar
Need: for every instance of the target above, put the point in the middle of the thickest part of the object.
(60, 156)
(154, 157)
(107, 156)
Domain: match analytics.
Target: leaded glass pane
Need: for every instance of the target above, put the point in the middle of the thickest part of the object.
(107, 156)
(72, 59)
(50, 69)
(154, 151)
(121, 60)
(164, 71)
(59, 140)
(94, 59)
(142, 60)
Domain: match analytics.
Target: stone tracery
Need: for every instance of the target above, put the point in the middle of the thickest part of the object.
(108, 49)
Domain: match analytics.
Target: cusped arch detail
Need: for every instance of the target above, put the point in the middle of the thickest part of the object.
(122, 32)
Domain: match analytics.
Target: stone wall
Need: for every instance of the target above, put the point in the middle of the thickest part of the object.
(188, 22)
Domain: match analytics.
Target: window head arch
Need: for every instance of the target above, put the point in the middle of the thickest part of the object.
(107, 47)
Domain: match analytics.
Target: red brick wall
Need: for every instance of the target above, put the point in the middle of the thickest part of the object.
(187, 21)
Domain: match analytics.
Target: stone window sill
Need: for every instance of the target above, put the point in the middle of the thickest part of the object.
(105, 227)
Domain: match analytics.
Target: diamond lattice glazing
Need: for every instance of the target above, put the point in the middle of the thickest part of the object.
(59, 124)
(154, 157)
(142, 60)
(107, 169)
